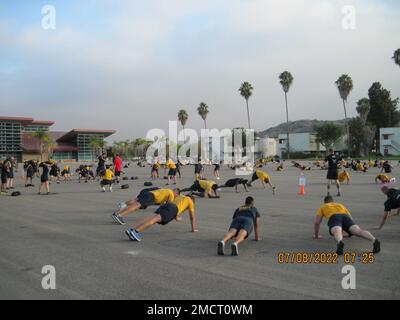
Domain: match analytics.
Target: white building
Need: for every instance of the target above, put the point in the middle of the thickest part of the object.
(390, 141)
(300, 142)
(267, 147)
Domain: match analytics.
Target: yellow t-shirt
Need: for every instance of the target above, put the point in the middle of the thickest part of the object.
(262, 175)
(66, 168)
(371, 164)
(171, 164)
(108, 175)
(207, 185)
(344, 176)
(330, 209)
(383, 177)
(162, 196)
(184, 203)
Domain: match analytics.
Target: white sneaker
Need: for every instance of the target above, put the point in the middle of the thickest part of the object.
(122, 205)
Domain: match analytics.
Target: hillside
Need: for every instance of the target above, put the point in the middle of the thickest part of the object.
(300, 126)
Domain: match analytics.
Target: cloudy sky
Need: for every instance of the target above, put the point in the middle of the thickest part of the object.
(131, 65)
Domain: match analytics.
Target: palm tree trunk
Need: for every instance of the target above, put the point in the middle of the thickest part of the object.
(206, 144)
(248, 113)
(347, 129)
(287, 127)
(41, 151)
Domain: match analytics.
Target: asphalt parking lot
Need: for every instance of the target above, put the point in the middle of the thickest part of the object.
(72, 231)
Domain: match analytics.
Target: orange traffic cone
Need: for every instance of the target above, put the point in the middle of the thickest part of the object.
(302, 191)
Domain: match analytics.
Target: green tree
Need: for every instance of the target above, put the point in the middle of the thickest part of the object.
(383, 113)
(345, 86)
(183, 118)
(328, 134)
(203, 112)
(49, 146)
(362, 131)
(44, 137)
(396, 57)
(363, 109)
(246, 91)
(286, 80)
(97, 144)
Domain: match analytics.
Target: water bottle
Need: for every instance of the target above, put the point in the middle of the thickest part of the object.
(302, 180)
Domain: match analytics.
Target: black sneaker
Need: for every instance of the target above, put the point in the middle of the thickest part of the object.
(118, 219)
(235, 249)
(339, 194)
(221, 248)
(340, 248)
(377, 247)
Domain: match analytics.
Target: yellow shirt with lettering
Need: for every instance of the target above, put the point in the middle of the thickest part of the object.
(171, 164)
(162, 196)
(383, 178)
(108, 175)
(262, 175)
(330, 209)
(207, 185)
(184, 203)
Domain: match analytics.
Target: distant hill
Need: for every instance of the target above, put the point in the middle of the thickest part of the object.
(300, 126)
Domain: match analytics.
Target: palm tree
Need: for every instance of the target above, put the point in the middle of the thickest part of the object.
(345, 86)
(363, 109)
(286, 80)
(396, 57)
(183, 118)
(43, 137)
(203, 112)
(94, 143)
(49, 146)
(246, 91)
(98, 144)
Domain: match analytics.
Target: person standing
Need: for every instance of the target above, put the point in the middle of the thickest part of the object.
(118, 163)
(101, 166)
(44, 178)
(333, 170)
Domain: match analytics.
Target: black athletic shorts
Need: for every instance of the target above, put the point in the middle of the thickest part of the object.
(146, 199)
(217, 167)
(168, 212)
(44, 178)
(172, 172)
(341, 220)
(4, 177)
(11, 174)
(333, 174)
(30, 173)
(106, 182)
(243, 223)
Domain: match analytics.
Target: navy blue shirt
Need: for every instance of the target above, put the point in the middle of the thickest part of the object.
(247, 212)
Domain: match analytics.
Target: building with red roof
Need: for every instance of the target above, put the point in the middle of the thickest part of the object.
(17, 139)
